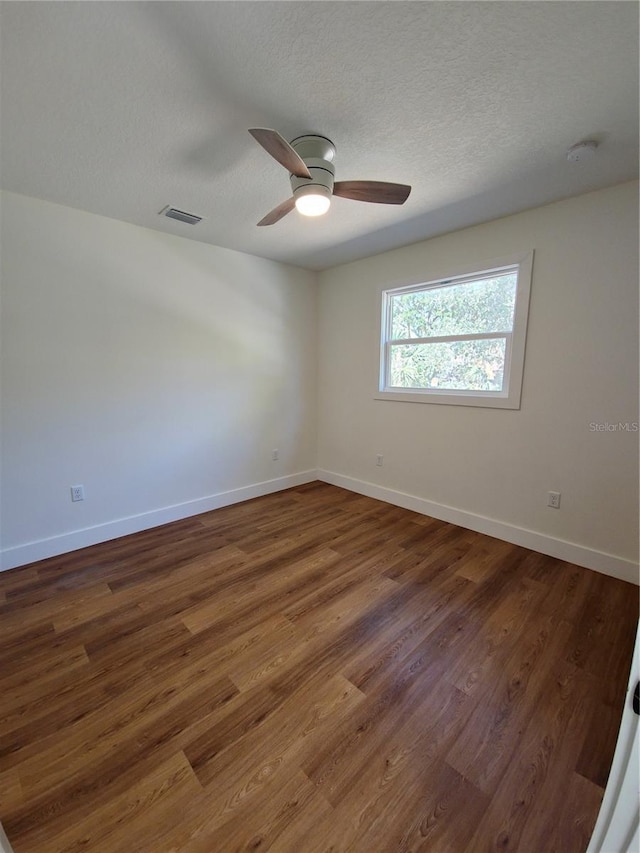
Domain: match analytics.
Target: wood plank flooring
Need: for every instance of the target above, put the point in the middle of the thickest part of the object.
(309, 671)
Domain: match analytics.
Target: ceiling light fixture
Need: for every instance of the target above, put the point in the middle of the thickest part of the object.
(312, 200)
(582, 151)
(309, 160)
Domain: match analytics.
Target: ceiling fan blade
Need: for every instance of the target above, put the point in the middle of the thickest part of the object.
(280, 150)
(379, 192)
(278, 212)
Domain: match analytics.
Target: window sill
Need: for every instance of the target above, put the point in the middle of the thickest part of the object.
(452, 398)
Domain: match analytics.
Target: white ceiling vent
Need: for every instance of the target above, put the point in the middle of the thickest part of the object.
(180, 215)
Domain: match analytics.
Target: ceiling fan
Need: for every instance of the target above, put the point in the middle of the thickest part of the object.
(309, 160)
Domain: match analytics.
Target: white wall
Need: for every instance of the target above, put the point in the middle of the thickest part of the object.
(489, 468)
(154, 370)
(160, 373)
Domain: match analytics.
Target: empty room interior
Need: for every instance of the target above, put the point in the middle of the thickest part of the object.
(319, 426)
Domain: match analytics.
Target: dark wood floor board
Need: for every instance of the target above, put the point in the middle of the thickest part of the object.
(293, 509)
(190, 585)
(411, 562)
(241, 609)
(261, 820)
(445, 818)
(422, 537)
(166, 560)
(393, 702)
(170, 787)
(479, 562)
(151, 719)
(510, 699)
(139, 633)
(287, 552)
(601, 736)
(387, 739)
(546, 751)
(98, 608)
(251, 708)
(80, 691)
(313, 643)
(442, 815)
(574, 820)
(137, 797)
(569, 591)
(504, 626)
(368, 533)
(341, 578)
(604, 621)
(248, 514)
(191, 573)
(269, 750)
(334, 644)
(352, 543)
(303, 831)
(27, 644)
(89, 599)
(105, 772)
(99, 629)
(160, 607)
(323, 523)
(402, 630)
(83, 568)
(313, 670)
(442, 639)
(11, 794)
(210, 657)
(61, 698)
(437, 552)
(354, 605)
(45, 670)
(258, 662)
(115, 556)
(17, 578)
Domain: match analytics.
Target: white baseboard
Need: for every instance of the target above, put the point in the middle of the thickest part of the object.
(607, 564)
(599, 561)
(5, 847)
(20, 555)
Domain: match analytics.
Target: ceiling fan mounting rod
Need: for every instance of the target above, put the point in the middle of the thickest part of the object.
(318, 153)
(322, 174)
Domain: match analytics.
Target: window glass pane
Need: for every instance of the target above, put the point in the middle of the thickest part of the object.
(455, 365)
(475, 307)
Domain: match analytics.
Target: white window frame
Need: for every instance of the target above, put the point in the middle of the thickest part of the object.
(510, 396)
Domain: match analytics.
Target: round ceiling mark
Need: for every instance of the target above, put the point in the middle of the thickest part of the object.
(582, 151)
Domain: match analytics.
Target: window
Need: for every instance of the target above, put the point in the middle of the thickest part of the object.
(458, 340)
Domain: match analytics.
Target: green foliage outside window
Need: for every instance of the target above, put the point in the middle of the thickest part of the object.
(478, 307)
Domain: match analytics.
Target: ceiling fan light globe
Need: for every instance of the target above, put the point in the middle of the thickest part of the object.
(313, 201)
(312, 205)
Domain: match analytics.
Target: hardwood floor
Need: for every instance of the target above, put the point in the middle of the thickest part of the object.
(309, 671)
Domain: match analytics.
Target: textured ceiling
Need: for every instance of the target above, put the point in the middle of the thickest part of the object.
(122, 108)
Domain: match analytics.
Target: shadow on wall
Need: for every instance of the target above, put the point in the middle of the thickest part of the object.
(166, 370)
(196, 330)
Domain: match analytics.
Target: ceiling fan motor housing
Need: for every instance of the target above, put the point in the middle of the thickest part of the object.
(317, 153)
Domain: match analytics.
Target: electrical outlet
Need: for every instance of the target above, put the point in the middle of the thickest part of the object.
(554, 500)
(379, 460)
(77, 493)
(275, 455)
